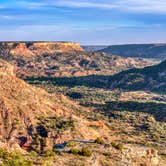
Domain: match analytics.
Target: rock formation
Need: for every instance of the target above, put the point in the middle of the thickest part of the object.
(22, 105)
(30, 118)
(29, 49)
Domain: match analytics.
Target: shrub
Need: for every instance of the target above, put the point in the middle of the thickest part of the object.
(18, 162)
(83, 152)
(99, 140)
(33, 153)
(49, 153)
(13, 159)
(117, 146)
(4, 154)
(108, 154)
(74, 151)
(71, 144)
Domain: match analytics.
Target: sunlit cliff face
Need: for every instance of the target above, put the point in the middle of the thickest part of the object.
(29, 49)
(6, 68)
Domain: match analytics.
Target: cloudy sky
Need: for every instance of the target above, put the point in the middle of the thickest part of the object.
(85, 21)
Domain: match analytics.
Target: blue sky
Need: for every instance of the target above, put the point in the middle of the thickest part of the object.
(84, 21)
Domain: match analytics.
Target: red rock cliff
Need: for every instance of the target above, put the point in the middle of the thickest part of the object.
(29, 49)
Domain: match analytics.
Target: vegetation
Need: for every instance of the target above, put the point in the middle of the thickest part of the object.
(83, 152)
(46, 125)
(53, 123)
(49, 153)
(117, 146)
(137, 50)
(130, 119)
(144, 114)
(99, 140)
(71, 144)
(13, 159)
(68, 63)
(149, 78)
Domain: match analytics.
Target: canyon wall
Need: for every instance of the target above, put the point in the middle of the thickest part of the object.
(29, 49)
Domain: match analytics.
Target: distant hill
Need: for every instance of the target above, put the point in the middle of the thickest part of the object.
(138, 50)
(93, 48)
(151, 78)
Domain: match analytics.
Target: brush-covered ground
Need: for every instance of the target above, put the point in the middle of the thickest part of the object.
(41, 128)
(100, 122)
(134, 118)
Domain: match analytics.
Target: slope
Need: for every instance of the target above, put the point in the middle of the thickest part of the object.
(138, 50)
(151, 78)
(71, 64)
(28, 114)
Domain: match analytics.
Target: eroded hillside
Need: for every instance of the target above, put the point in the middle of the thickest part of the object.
(43, 62)
(134, 117)
(22, 107)
(32, 49)
(149, 78)
(32, 119)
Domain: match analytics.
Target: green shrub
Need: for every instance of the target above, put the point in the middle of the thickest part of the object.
(108, 154)
(4, 154)
(49, 153)
(83, 152)
(33, 153)
(13, 159)
(117, 146)
(71, 144)
(99, 140)
(75, 151)
(18, 162)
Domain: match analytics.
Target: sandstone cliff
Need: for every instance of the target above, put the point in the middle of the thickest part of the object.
(29, 49)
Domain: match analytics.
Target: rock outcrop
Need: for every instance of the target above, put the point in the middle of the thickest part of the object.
(45, 61)
(6, 68)
(29, 49)
(22, 107)
(137, 155)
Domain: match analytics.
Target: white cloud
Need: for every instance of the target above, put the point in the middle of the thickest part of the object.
(66, 3)
(139, 6)
(84, 4)
(145, 6)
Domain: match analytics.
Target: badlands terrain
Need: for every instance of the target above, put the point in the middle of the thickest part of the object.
(63, 59)
(61, 105)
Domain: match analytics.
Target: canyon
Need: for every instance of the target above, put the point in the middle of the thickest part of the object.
(65, 106)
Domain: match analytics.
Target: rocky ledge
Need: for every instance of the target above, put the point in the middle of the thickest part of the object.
(29, 49)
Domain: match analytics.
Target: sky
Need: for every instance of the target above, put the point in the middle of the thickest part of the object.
(94, 22)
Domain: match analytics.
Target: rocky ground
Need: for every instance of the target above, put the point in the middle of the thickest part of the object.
(79, 120)
(64, 59)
